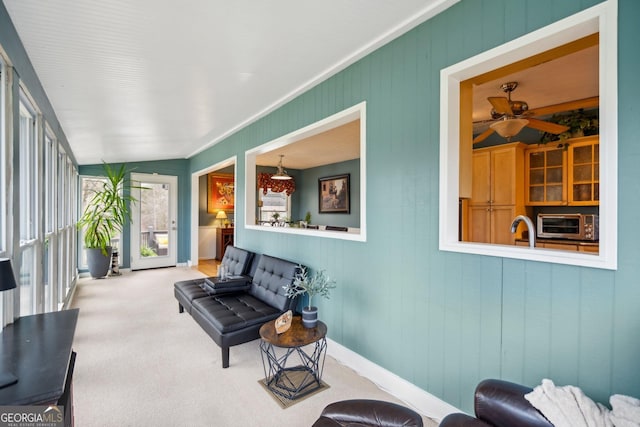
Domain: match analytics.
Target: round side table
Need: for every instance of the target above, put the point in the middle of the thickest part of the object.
(293, 372)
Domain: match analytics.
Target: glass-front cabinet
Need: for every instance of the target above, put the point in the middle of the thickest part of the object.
(564, 175)
(584, 175)
(545, 168)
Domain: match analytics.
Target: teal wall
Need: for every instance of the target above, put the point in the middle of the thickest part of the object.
(444, 321)
(307, 198)
(178, 168)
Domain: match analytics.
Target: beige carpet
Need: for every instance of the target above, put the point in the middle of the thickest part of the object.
(140, 363)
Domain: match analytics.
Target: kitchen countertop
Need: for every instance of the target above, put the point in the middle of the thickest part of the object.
(565, 241)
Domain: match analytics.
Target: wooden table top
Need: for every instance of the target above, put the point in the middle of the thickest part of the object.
(296, 336)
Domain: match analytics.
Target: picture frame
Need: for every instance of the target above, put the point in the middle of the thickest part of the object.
(334, 194)
(220, 193)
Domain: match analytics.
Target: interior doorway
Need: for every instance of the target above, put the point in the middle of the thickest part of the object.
(204, 221)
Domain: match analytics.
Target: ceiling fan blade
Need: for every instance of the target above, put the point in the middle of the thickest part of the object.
(546, 126)
(484, 135)
(501, 104)
(585, 103)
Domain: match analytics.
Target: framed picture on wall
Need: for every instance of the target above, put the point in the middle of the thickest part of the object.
(334, 194)
(220, 192)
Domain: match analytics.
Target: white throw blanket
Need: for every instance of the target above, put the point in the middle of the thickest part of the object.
(568, 406)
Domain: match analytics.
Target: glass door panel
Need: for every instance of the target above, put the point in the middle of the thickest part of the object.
(153, 232)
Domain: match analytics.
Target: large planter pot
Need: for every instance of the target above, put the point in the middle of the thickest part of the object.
(309, 317)
(98, 262)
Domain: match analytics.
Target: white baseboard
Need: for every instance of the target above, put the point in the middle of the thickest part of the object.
(415, 397)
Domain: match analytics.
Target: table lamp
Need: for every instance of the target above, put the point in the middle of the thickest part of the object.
(221, 216)
(7, 281)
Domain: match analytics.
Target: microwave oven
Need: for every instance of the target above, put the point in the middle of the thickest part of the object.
(568, 226)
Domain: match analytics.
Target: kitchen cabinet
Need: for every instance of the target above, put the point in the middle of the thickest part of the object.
(496, 193)
(584, 171)
(545, 176)
(491, 224)
(558, 176)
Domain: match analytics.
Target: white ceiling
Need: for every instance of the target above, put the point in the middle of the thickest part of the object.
(568, 78)
(135, 80)
(339, 144)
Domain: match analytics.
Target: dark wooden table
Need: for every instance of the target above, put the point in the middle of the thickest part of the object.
(282, 375)
(38, 350)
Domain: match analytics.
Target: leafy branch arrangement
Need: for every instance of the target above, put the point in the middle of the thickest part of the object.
(318, 284)
(580, 123)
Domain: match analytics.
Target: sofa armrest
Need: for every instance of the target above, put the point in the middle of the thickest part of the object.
(215, 286)
(502, 403)
(368, 413)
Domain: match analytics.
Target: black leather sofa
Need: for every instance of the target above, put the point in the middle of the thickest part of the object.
(232, 312)
(499, 403)
(371, 413)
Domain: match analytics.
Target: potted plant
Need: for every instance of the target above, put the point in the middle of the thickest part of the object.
(579, 123)
(318, 284)
(104, 217)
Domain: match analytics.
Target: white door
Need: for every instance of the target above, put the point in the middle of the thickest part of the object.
(154, 228)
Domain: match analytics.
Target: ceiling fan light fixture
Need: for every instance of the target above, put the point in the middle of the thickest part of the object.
(280, 174)
(509, 127)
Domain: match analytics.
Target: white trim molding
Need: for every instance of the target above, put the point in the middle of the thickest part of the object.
(412, 395)
(601, 18)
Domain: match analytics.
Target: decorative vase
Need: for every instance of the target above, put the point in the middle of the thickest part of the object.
(98, 263)
(309, 317)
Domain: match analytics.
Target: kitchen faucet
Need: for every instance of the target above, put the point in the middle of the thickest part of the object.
(530, 227)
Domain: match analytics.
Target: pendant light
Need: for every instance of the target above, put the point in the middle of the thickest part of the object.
(281, 174)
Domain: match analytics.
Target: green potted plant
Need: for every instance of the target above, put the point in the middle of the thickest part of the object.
(580, 123)
(104, 217)
(318, 284)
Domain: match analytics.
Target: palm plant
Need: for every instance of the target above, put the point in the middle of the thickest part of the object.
(108, 210)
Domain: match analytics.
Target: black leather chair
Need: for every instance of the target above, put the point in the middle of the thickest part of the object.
(367, 413)
(499, 403)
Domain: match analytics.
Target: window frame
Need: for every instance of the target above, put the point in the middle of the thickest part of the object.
(601, 18)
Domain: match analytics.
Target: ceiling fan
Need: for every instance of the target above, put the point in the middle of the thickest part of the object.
(512, 116)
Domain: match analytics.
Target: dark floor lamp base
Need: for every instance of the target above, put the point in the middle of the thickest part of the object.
(7, 379)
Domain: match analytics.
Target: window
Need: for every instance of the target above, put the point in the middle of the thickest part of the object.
(28, 170)
(4, 161)
(88, 185)
(49, 274)
(454, 152)
(29, 191)
(271, 204)
(5, 179)
(310, 143)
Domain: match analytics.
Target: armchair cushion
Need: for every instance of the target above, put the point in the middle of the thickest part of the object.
(499, 403)
(367, 413)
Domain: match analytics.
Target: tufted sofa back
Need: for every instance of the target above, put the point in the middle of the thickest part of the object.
(237, 260)
(268, 280)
